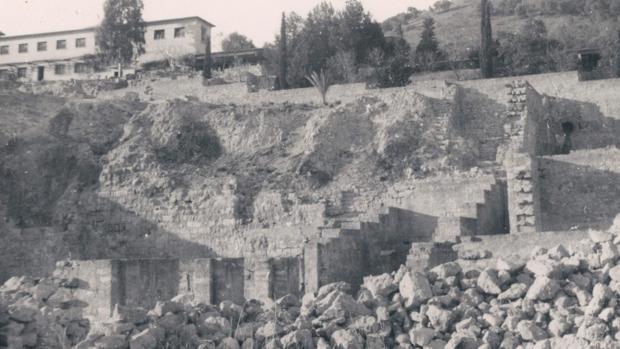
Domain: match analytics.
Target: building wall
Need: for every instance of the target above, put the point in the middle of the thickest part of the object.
(144, 282)
(192, 42)
(51, 53)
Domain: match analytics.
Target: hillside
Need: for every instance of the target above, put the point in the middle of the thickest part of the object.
(117, 177)
(458, 29)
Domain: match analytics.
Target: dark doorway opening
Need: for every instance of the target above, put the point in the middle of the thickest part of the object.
(567, 128)
(41, 74)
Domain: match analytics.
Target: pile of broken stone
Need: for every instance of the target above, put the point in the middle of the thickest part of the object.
(558, 298)
(41, 313)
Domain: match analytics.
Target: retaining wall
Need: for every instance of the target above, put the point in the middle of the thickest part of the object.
(580, 190)
(142, 283)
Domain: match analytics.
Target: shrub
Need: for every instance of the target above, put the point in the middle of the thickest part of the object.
(321, 83)
(196, 142)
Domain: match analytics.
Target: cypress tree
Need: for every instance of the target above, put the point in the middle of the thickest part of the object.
(486, 40)
(283, 54)
(208, 62)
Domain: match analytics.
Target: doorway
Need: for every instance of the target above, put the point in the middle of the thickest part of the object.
(41, 73)
(567, 129)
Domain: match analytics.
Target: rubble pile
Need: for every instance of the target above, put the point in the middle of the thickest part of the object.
(41, 313)
(558, 298)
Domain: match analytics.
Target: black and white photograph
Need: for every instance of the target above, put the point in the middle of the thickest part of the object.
(310, 174)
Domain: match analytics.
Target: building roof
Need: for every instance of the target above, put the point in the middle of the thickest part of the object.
(88, 29)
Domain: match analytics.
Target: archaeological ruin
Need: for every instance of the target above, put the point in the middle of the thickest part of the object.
(147, 197)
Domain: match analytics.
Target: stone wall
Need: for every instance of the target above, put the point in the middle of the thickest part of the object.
(524, 115)
(30, 251)
(580, 190)
(516, 247)
(340, 259)
(142, 283)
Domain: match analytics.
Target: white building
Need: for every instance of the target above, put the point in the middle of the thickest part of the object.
(69, 54)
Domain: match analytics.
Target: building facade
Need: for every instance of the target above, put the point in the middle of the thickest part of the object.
(70, 54)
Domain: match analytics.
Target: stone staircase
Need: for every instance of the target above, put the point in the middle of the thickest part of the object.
(483, 213)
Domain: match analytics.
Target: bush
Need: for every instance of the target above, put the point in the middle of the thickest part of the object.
(521, 10)
(196, 142)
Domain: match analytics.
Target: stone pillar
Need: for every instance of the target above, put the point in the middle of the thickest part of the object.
(523, 198)
(521, 161)
(311, 267)
(257, 278)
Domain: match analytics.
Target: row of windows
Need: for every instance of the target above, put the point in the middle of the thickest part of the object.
(160, 34)
(59, 69)
(42, 46)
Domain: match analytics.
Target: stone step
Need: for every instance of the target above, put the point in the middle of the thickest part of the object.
(448, 228)
(330, 232)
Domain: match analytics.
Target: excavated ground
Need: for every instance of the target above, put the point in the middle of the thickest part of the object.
(63, 160)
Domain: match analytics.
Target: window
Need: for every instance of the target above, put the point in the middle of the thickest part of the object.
(160, 34)
(61, 44)
(22, 48)
(42, 46)
(179, 32)
(4, 50)
(60, 69)
(80, 68)
(22, 72)
(80, 42)
(203, 34)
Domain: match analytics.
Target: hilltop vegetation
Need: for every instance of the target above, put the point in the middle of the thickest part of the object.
(532, 36)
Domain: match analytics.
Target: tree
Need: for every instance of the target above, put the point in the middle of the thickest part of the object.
(529, 51)
(283, 54)
(413, 11)
(616, 55)
(392, 65)
(428, 52)
(120, 36)
(486, 40)
(236, 42)
(442, 5)
(208, 61)
(357, 33)
(338, 42)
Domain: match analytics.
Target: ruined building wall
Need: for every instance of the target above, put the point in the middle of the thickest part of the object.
(520, 162)
(144, 282)
(580, 190)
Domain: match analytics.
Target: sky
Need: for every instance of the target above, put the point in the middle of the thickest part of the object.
(257, 19)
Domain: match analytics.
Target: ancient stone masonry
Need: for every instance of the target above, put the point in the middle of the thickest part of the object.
(142, 283)
(294, 199)
(520, 162)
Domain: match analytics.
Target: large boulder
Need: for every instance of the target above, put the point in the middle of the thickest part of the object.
(421, 336)
(415, 288)
(543, 289)
(380, 285)
(144, 340)
(346, 339)
(489, 282)
(112, 342)
(299, 339)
